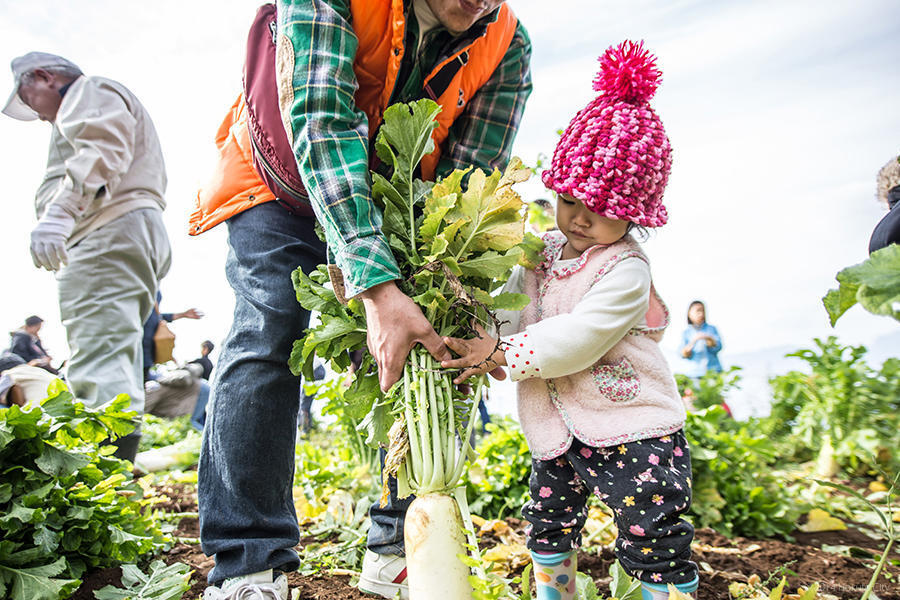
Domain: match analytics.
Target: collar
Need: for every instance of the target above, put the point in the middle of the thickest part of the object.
(893, 196)
(65, 88)
(554, 241)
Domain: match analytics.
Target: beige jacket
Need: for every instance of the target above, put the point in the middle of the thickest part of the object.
(105, 159)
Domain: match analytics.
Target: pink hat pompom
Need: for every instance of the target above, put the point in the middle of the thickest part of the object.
(628, 72)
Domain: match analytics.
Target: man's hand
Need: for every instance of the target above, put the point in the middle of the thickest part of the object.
(477, 356)
(395, 325)
(48, 239)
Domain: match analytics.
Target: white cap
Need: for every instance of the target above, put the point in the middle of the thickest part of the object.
(14, 106)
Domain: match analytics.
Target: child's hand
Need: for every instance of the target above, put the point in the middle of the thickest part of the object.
(477, 356)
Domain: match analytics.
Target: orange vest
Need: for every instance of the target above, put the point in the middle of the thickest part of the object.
(380, 28)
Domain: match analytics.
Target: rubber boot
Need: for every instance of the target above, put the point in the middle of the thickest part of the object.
(554, 575)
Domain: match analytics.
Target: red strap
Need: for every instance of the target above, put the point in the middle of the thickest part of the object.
(401, 576)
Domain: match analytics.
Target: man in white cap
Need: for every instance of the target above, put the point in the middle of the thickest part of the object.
(100, 224)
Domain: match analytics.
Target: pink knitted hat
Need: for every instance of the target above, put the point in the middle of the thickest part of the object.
(614, 156)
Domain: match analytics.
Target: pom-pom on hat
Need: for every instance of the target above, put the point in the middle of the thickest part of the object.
(615, 156)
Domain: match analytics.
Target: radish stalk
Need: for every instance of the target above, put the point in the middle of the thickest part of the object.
(460, 495)
(414, 448)
(421, 416)
(437, 478)
(451, 438)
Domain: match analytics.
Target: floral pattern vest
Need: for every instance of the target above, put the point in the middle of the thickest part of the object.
(628, 395)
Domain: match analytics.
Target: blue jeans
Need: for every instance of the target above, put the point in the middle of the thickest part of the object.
(247, 516)
(198, 416)
(386, 531)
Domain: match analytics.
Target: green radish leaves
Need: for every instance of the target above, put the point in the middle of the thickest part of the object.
(405, 137)
(162, 583)
(874, 283)
(66, 505)
(36, 583)
(342, 329)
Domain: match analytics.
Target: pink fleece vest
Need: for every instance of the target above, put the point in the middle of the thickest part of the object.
(628, 395)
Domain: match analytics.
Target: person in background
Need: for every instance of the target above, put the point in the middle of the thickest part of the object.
(198, 416)
(21, 383)
(10, 394)
(26, 343)
(175, 392)
(100, 224)
(205, 348)
(541, 215)
(887, 231)
(483, 411)
(700, 343)
(150, 325)
(306, 400)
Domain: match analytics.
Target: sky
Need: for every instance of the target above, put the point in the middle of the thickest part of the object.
(780, 115)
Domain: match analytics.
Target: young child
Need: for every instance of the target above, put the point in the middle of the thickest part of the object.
(597, 401)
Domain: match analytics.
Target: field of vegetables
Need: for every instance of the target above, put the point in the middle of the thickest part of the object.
(807, 494)
(801, 504)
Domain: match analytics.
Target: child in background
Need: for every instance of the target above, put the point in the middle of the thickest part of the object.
(597, 402)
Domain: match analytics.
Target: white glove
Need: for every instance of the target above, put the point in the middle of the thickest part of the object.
(48, 239)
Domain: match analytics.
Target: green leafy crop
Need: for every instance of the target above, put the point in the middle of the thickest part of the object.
(842, 402)
(497, 481)
(874, 283)
(711, 389)
(66, 505)
(161, 583)
(734, 489)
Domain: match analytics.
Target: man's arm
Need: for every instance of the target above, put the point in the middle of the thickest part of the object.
(483, 135)
(315, 53)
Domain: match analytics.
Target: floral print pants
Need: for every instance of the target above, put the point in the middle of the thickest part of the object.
(647, 484)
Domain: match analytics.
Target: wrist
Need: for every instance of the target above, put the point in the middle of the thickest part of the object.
(57, 212)
(521, 356)
(378, 293)
(499, 357)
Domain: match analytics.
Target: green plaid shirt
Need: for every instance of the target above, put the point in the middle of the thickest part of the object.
(330, 135)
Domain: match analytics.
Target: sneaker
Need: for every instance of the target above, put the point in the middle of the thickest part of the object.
(384, 575)
(256, 586)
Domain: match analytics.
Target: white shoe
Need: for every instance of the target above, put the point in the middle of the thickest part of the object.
(385, 575)
(256, 586)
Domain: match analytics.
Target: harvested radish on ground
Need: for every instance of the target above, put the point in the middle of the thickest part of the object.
(455, 245)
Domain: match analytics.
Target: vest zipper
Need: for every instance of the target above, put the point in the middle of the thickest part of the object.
(301, 194)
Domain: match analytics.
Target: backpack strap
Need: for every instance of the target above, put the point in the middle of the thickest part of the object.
(438, 84)
(273, 156)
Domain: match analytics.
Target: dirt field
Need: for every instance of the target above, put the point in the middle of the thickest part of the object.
(722, 561)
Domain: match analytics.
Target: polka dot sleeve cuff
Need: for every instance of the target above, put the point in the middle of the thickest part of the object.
(520, 356)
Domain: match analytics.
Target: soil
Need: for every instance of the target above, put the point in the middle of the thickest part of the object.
(721, 560)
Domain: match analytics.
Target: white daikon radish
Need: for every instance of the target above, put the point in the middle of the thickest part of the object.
(434, 540)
